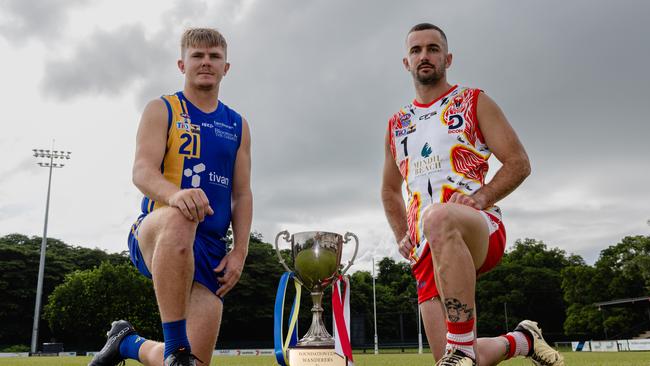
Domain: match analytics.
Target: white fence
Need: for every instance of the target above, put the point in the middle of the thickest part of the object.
(243, 352)
(218, 352)
(14, 354)
(612, 346)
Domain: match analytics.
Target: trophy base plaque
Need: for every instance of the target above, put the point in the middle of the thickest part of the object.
(315, 356)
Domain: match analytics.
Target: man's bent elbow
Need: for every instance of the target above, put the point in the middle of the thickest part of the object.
(240, 195)
(386, 194)
(136, 177)
(390, 199)
(525, 168)
(520, 169)
(139, 176)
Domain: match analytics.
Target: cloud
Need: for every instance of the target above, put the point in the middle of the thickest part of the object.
(317, 82)
(318, 93)
(43, 20)
(108, 63)
(127, 59)
(580, 210)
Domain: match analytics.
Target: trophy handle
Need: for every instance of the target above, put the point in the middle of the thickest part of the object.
(356, 248)
(285, 236)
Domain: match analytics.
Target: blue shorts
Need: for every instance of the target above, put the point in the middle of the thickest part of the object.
(207, 256)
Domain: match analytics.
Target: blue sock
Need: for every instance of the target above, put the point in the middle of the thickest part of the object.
(175, 336)
(130, 346)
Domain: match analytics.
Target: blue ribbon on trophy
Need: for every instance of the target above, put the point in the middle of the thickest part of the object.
(278, 317)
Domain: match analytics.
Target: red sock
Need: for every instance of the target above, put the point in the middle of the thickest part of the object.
(460, 336)
(519, 344)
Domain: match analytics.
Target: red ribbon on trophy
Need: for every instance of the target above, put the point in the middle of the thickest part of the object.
(341, 311)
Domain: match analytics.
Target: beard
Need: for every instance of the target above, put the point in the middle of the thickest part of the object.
(431, 78)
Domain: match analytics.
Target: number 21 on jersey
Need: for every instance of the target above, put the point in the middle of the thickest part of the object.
(190, 145)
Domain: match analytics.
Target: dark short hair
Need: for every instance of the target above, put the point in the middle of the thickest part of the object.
(425, 26)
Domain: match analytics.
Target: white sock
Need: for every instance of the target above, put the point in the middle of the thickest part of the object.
(519, 344)
(463, 342)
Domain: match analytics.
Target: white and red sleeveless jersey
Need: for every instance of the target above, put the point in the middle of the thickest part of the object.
(439, 150)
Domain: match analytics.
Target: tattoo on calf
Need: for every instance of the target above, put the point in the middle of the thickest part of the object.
(457, 311)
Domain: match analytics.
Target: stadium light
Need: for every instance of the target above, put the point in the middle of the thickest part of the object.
(419, 328)
(602, 317)
(374, 304)
(51, 155)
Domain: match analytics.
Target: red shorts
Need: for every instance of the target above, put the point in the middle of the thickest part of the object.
(423, 269)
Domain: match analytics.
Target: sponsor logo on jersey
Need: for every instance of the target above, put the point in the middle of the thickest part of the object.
(405, 119)
(426, 165)
(455, 123)
(404, 131)
(425, 117)
(217, 179)
(466, 185)
(188, 127)
(426, 150)
(194, 174)
(446, 99)
(205, 124)
(225, 134)
(223, 125)
(455, 113)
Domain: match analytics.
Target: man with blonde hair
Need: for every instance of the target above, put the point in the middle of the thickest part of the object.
(192, 163)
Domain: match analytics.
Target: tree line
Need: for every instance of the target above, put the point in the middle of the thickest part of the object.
(85, 289)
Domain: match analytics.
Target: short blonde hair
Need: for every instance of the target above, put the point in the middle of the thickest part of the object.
(202, 37)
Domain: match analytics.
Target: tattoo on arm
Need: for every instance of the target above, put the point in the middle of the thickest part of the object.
(457, 311)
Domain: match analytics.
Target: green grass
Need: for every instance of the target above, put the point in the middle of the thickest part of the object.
(572, 359)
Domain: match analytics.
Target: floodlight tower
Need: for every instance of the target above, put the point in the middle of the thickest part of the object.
(420, 347)
(374, 305)
(47, 157)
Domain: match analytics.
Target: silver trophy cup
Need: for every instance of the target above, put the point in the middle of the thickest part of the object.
(316, 260)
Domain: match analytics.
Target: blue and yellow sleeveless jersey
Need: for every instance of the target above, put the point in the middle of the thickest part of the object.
(201, 152)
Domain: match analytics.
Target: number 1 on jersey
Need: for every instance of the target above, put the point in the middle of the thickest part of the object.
(403, 142)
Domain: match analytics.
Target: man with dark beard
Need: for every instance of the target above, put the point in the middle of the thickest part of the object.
(451, 230)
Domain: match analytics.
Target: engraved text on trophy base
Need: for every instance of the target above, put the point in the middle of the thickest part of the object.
(315, 357)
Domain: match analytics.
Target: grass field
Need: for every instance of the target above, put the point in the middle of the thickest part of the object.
(571, 358)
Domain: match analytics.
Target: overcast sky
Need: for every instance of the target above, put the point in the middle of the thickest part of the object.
(317, 81)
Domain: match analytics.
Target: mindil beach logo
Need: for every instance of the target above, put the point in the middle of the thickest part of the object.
(426, 150)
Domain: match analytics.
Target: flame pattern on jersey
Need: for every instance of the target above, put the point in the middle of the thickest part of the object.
(447, 192)
(468, 163)
(404, 168)
(439, 150)
(413, 220)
